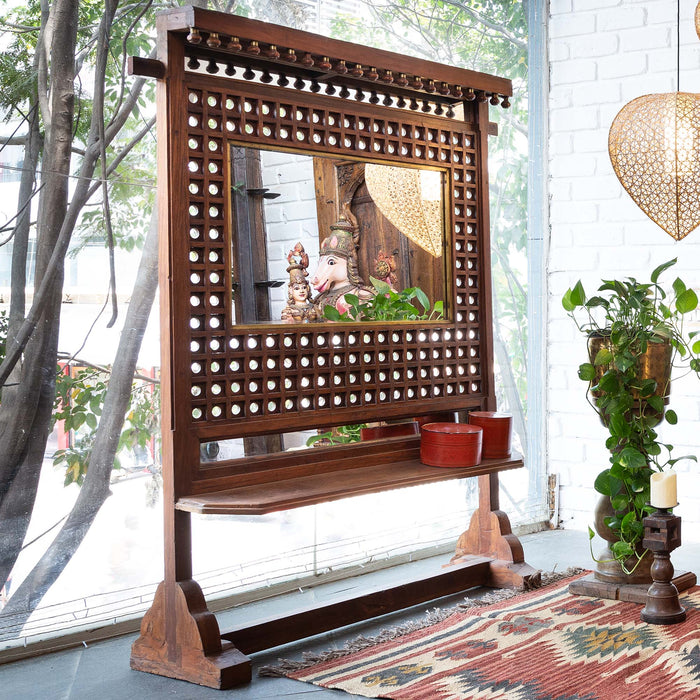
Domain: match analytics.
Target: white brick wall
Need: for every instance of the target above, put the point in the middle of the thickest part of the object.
(604, 53)
(289, 218)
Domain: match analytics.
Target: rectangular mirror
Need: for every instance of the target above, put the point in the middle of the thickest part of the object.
(308, 232)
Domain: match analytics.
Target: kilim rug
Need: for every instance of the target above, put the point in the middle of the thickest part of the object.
(541, 645)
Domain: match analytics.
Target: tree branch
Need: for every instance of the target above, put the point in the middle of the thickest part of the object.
(79, 362)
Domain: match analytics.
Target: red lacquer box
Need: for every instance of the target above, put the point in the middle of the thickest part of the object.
(496, 433)
(450, 444)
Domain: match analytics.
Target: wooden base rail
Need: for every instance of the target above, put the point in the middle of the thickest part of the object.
(180, 638)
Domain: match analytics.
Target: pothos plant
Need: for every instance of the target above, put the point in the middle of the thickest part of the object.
(342, 435)
(628, 317)
(387, 305)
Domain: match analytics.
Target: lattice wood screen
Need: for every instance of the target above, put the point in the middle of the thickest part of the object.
(246, 380)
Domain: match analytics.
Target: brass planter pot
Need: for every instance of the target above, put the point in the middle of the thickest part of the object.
(655, 364)
(608, 569)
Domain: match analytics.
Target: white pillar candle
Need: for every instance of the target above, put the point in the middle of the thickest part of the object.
(663, 490)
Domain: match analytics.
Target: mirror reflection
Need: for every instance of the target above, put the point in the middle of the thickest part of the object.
(212, 452)
(237, 448)
(319, 239)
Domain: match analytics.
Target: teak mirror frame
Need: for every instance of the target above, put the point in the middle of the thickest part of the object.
(224, 80)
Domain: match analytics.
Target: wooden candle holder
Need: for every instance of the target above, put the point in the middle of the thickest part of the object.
(662, 534)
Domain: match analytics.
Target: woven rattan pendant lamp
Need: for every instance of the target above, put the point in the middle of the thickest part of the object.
(411, 200)
(654, 146)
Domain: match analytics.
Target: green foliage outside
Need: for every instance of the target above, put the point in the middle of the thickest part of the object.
(130, 199)
(79, 400)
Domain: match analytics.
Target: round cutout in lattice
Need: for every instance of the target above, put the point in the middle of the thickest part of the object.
(654, 147)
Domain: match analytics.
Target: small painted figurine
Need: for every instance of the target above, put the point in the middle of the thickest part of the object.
(385, 268)
(297, 257)
(300, 308)
(338, 273)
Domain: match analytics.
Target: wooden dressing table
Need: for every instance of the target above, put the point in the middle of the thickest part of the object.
(227, 82)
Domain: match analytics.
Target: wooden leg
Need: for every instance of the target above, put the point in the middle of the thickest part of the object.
(180, 638)
(489, 535)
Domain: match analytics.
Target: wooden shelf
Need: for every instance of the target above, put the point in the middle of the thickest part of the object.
(331, 486)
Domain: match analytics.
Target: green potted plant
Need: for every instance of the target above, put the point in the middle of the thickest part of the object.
(387, 305)
(635, 336)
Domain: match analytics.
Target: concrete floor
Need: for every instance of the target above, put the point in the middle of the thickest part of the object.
(101, 671)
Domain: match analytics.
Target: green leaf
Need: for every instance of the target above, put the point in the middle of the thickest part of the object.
(591, 534)
(653, 449)
(597, 301)
(622, 550)
(619, 474)
(640, 501)
(609, 382)
(586, 372)
(646, 387)
(662, 268)
(381, 286)
(619, 502)
(619, 426)
(91, 420)
(678, 286)
(603, 357)
(574, 297)
(671, 462)
(331, 313)
(612, 522)
(687, 301)
(422, 298)
(671, 417)
(656, 403)
(624, 361)
(602, 483)
(632, 458)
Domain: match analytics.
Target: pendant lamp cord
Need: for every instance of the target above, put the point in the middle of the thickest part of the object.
(678, 46)
(675, 111)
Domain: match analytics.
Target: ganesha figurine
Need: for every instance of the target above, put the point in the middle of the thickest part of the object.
(338, 273)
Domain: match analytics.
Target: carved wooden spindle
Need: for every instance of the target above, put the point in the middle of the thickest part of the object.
(662, 534)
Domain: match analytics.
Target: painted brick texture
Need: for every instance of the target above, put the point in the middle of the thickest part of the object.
(604, 53)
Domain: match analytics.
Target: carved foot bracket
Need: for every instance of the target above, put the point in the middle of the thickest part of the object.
(489, 535)
(180, 638)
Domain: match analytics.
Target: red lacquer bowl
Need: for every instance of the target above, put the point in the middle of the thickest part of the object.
(450, 445)
(497, 429)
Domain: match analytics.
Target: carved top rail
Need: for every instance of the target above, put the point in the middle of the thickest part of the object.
(257, 45)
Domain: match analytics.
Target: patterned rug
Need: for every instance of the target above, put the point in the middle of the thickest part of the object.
(541, 645)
